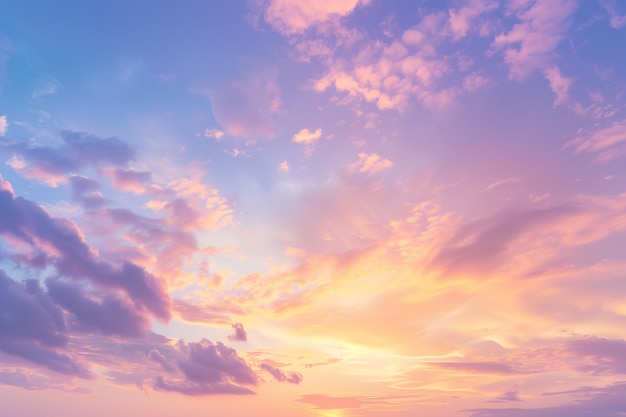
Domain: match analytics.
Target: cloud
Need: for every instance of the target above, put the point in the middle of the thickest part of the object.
(605, 356)
(33, 327)
(26, 221)
(462, 20)
(308, 139)
(559, 84)
(480, 247)
(616, 20)
(280, 376)
(530, 44)
(86, 192)
(4, 125)
(209, 368)
(476, 367)
(78, 151)
(607, 143)
(214, 134)
(130, 180)
(502, 182)
(284, 167)
(293, 16)
(48, 88)
(475, 82)
(369, 164)
(108, 314)
(195, 313)
(608, 401)
(240, 333)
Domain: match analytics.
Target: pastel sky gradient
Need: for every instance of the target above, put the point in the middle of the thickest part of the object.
(346, 208)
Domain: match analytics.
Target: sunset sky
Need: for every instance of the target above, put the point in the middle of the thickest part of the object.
(324, 208)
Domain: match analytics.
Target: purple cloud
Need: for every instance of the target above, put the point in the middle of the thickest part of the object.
(240, 333)
(280, 376)
(489, 239)
(209, 368)
(86, 192)
(33, 327)
(78, 151)
(605, 356)
(108, 313)
(476, 367)
(595, 402)
(28, 222)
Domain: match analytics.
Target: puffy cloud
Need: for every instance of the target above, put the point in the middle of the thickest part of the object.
(529, 45)
(370, 164)
(463, 19)
(86, 192)
(130, 180)
(4, 125)
(73, 258)
(209, 368)
(33, 327)
(308, 139)
(108, 314)
(293, 16)
(240, 333)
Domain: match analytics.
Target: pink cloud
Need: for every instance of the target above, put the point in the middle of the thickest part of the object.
(530, 44)
(370, 164)
(292, 16)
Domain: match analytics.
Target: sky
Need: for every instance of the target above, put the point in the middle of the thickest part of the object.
(346, 208)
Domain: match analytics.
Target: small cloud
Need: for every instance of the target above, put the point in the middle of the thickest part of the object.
(4, 125)
(559, 84)
(475, 82)
(502, 182)
(284, 167)
(369, 164)
(280, 376)
(291, 16)
(240, 334)
(235, 152)
(47, 89)
(214, 134)
(308, 139)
